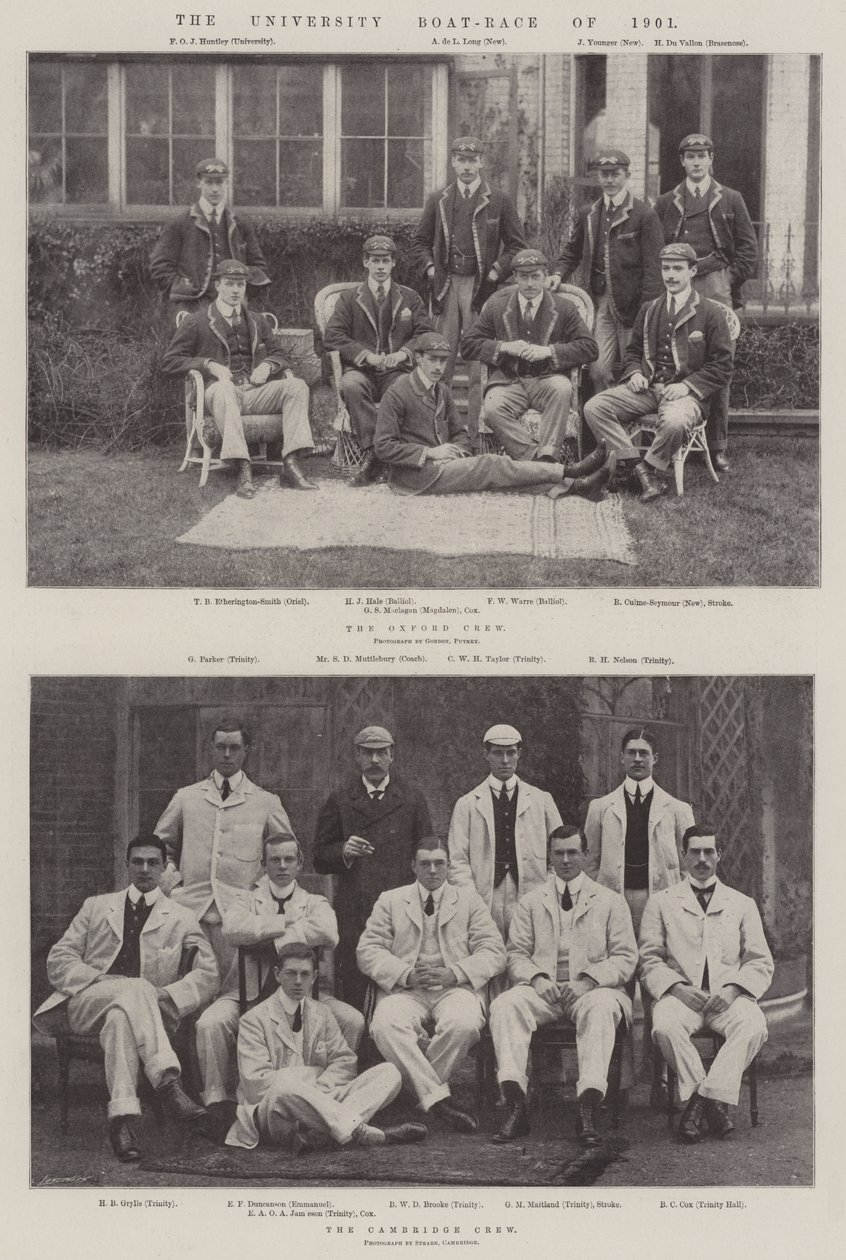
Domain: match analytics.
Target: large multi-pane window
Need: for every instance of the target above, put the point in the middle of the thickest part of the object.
(304, 135)
(68, 134)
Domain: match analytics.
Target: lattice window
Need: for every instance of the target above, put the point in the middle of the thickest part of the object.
(725, 779)
(358, 702)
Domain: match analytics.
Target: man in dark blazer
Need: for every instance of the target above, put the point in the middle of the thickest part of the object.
(679, 356)
(247, 373)
(531, 339)
(464, 243)
(366, 833)
(615, 242)
(427, 447)
(186, 255)
(371, 328)
(713, 220)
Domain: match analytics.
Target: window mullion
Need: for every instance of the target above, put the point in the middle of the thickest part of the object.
(331, 139)
(115, 131)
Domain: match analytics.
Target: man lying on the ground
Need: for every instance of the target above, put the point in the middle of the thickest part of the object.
(298, 1085)
(427, 447)
(116, 972)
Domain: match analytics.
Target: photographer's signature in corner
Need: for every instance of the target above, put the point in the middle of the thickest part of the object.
(67, 1181)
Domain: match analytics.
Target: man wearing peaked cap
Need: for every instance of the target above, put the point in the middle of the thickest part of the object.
(530, 339)
(615, 242)
(251, 392)
(715, 222)
(678, 357)
(366, 833)
(372, 327)
(427, 447)
(185, 258)
(464, 243)
(499, 831)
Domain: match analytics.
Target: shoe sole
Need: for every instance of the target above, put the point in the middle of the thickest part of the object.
(502, 1138)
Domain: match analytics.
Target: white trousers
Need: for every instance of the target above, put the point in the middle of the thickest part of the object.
(291, 1103)
(125, 1012)
(217, 1037)
(449, 1020)
(745, 1030)
(516, 1014)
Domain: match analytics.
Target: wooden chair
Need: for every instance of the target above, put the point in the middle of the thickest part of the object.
(72, 1046)
(263, 956)
(530, 419)
(696, 439)
(348, 454)
(750, 1077)
(202, 439)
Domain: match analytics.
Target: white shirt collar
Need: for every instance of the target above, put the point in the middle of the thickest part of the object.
(645, 785)
(289, 1006)
(209, 210)
(704, 187)
(681, 298)
(225, 309)
(373, 285)
(279, 891)
(234, 779)
(701, 887)
(150, 898)
(425, 893)
(524, 302)
(497, 785)
(575, 885)
(617, 200)
(427, 384)
(462, 188)
(370, 788)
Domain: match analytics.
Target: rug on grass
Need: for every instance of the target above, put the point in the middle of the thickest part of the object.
(458, 525)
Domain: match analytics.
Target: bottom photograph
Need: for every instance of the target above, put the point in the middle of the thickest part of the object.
(429, 931)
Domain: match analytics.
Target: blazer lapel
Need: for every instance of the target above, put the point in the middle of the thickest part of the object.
(593, 226)
(448, 907)
(678, 202)
(412, 906)
(549, 314)
(361, 302)
(215, 323)
(660, 803)
(283, 1028)
(484, 804)
(511, 315)
(650, 333)
(114, 915)
(618, 806)
(524, 797)
(158, 915)
(445, 205)
(622, 212)
(550, 896)
(585, 898)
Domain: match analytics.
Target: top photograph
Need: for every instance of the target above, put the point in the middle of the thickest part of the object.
(477, 321)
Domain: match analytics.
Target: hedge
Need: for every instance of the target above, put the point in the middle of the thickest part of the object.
(98, 326)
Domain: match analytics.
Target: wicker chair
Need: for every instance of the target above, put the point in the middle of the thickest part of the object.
(348, 454)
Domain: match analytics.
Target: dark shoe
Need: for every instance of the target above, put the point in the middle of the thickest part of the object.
(690, 1125)
(400, 1134)
(176, 1103)
(293, 476)
(717, 1116)
(220, 1116)
(461, 1121)
(124, 1142)
(720, 461)
(322, 449)
(586, 1129)
(591, 487)
(589, 464)
(516, 1122)
(368, 470)
(244, 487)
(651, 485)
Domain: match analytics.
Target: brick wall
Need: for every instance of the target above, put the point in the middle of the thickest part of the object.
(72, 776)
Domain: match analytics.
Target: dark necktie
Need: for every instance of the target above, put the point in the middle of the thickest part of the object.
(429, 907)
(225, 789)
(566, 899)
(236, 318)
(703, 896)
(467, 194)
(696, 193)
(503, 796)
(380, 294)
(638, 799)
(297, 1025)
(530, 313)
(672, 314)
(281, 902)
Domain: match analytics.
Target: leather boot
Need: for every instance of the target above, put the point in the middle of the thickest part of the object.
(244, 487)
(368, 470)
(652, 486)
(175, 1102)
(586, 1129)
(591, 487)
(293, 476)
(589, 464)
(125, 1144)
(455, 1117)
(717, 1116)
(690, 1125)
(720, 461)
(516, 1122)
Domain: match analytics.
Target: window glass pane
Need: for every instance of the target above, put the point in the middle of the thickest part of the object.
(146, 171)
(362, 173)
(45, 97)
(300, 101)
(254, 100)
(186, 155)
(87, 175)
(362, 101)
(592, 131)
(409, 100)
(405, 173)
(736, 117)
(193, 101)
(85, 99)
(300, 173)
(255, 172)
(147, 100)
(674, 108)
(45, 170)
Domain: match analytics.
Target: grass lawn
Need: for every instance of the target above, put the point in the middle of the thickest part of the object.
(112, 520)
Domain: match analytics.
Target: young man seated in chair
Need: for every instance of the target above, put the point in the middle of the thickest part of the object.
(571, 951)
(372, 327)
(298, 1085)
(530, 338)
(115, 972)
(426, 446)
(705, 961)
(679, 356)
(242, 361)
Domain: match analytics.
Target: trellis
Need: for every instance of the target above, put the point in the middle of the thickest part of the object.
(724, 765)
